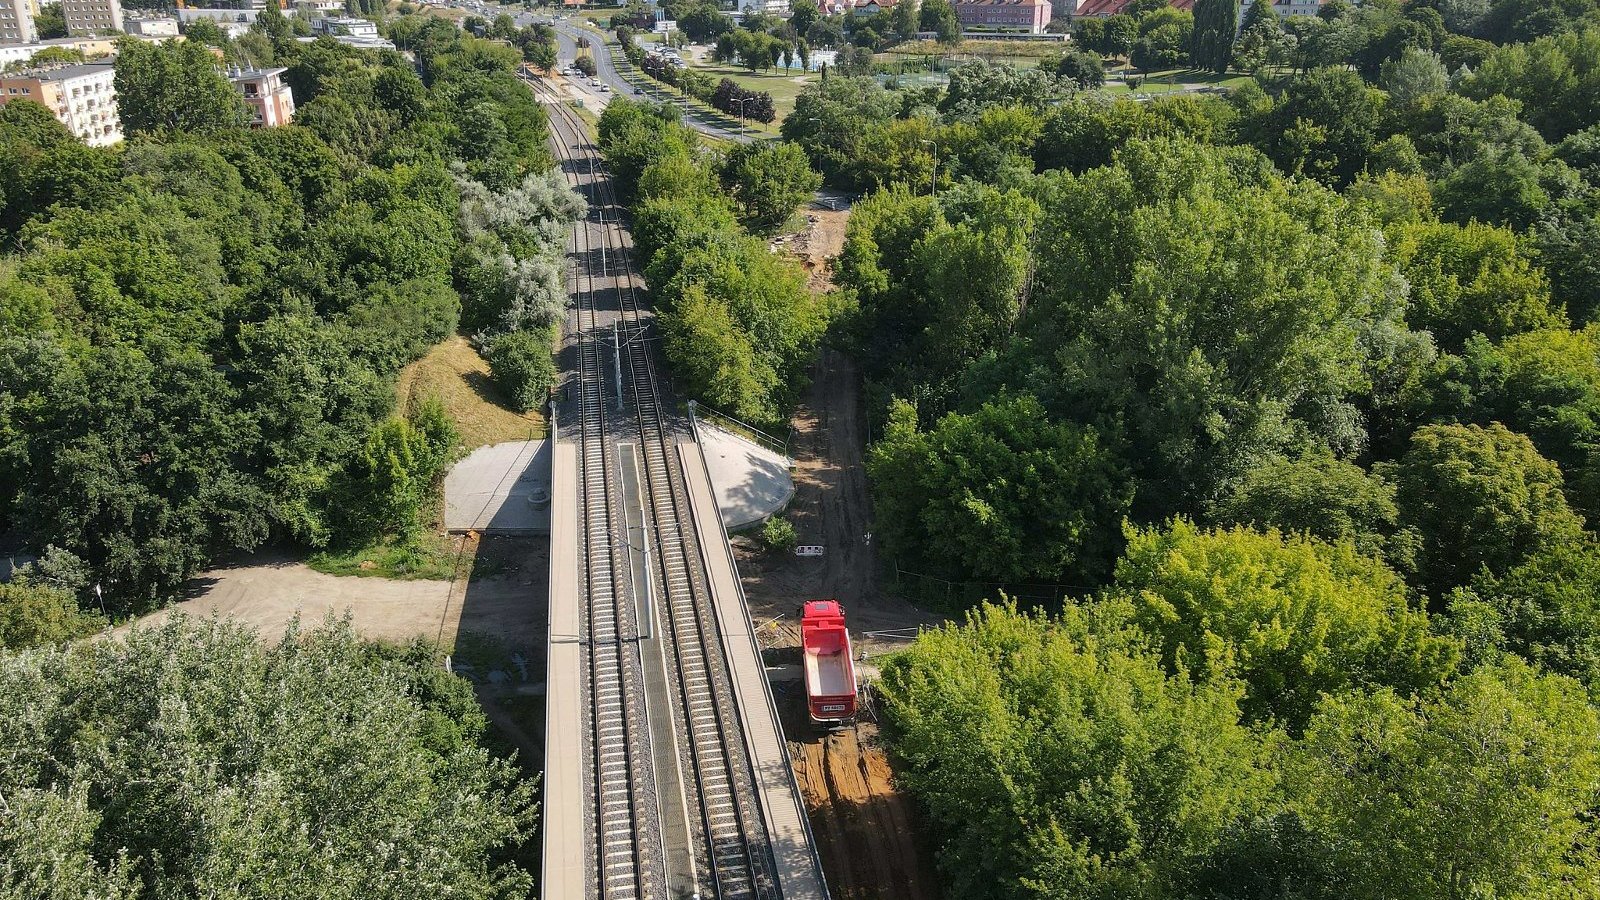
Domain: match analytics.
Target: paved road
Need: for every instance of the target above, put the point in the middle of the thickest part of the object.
(569, 37)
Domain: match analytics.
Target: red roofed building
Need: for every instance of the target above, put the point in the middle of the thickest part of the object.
(1020, 15)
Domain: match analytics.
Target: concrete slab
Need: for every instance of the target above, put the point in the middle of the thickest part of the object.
(751, 482)
(565, 862)
(490, 491)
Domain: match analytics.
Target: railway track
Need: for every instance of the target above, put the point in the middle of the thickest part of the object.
(732, 859)
(626, 848)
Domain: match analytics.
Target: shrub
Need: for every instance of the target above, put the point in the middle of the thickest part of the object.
(522, 367)
(779, 535)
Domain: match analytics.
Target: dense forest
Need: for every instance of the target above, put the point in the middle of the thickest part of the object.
(200, 332)
(191, 760)
(1277, 404)
(200, 329)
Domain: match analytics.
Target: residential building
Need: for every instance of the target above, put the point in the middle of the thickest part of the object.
(361, 28)
(16, 22)
(220, 15)
(768, 7)
(88, 17)
(92, 48)
(83, 97)
(350, 40)
(314, 9)
(158, 26)
(270, 100)
(1287, 8)
(1011, 15)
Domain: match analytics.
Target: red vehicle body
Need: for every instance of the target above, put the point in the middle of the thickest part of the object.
(830, 672)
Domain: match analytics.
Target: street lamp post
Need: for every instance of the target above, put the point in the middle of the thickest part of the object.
(741, 112)
(933, 179)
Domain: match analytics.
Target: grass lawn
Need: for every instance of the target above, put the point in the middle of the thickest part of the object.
(1174, 80)
(784, 86)
(427, 555)
(455, 373)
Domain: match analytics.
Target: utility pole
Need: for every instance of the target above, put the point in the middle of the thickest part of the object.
(616, 357)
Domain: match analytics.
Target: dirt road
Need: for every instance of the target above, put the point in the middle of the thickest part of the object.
(831, 508)
(864, 827)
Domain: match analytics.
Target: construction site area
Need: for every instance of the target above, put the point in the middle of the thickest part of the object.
(865, 828)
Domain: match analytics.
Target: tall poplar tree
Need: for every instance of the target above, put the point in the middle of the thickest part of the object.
(1216, 23)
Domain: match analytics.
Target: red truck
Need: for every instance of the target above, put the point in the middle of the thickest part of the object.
(830, 672)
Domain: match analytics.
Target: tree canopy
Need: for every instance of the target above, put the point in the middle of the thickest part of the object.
(166, 762)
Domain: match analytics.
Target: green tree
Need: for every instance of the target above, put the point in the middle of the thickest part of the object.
(1292, 617)
(1215, 24)
(1202, 306)
(999, 495)
(387, 486)
(1414, 74)
(803, 14)
(176, 86)
(34, 615)
(716, 358)
(522, 367)
(1546, 610)
(769, 181)
(1055, 758)
(1545, 384)
(204, 31)
(1325, 497)
(903, 20)
(1323, 126)
(1482, 791)
(834, 120)
(50, 22)
(940, 17)
(1471, 279)
(1481, 498)
(138, 772)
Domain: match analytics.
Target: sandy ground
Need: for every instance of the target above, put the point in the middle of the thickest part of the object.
(504, 596)
(864, 826)
(815, 247)
(493, 617)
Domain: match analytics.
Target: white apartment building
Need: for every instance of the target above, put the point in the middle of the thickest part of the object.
(354, 27)
(85, 17)
(16, 22)
(83, 97)
(159, 26)
(1287, 8)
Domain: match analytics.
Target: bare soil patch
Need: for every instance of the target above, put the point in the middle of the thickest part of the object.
(498, 595)
(454, 372)
(816, 245)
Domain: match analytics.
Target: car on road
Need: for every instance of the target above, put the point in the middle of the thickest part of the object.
(605, 88)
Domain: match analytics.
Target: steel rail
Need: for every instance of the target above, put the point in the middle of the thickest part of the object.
(733, 836)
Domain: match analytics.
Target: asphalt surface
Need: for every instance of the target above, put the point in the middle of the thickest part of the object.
(570, 37)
